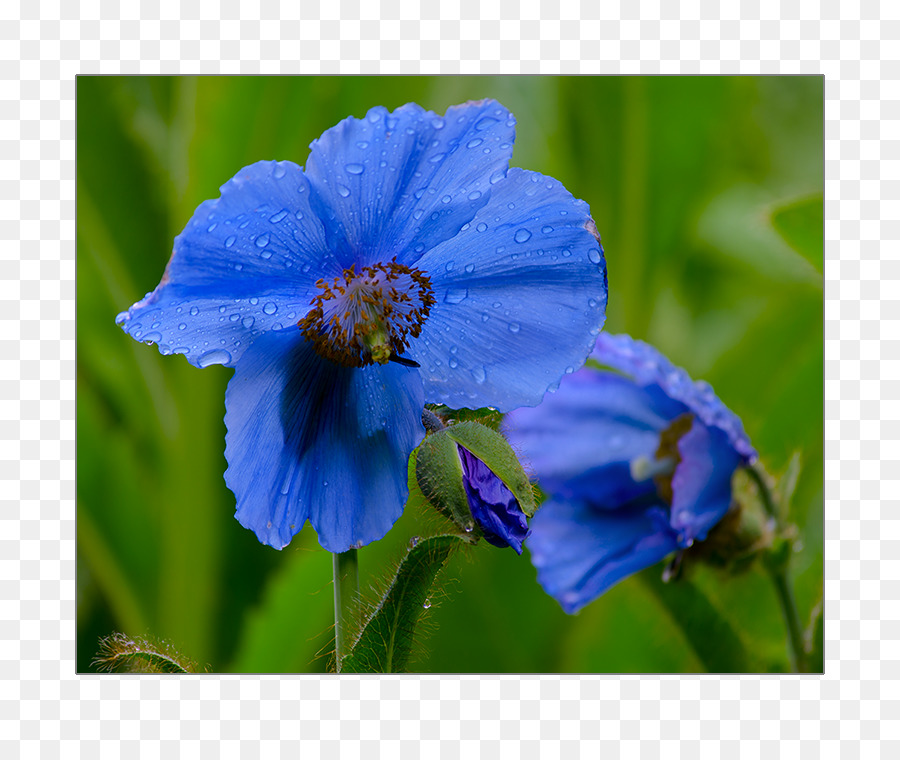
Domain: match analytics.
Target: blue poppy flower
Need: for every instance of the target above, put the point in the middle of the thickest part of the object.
(494, 507)
(637, 462)
(406, 263)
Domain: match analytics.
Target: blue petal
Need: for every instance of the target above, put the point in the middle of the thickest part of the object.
(521, 295)
(244, 264)
(399, 183)
(580, 552)
(494, 507)
(701, 485)
(649, 367)
(595, 420)
(308, 439)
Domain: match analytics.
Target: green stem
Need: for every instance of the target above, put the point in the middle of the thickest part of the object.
(777, 564)
(791, 617)
(346, 602)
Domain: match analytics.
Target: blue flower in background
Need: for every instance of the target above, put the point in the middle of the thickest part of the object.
(406, 263)
(637, 462)
(494, 507)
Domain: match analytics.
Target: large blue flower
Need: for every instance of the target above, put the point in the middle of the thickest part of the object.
(638, 464)
(406, 263)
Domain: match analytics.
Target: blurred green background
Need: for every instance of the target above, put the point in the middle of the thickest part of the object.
(708, 195)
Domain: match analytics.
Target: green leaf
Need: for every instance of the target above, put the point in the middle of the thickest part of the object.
(801, 224)
(386, 641)
(119, 653)
(718, 646)
(439, 477)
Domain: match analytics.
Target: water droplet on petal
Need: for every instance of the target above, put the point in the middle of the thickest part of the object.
(595, 256)
(270, 308)
(234, 317)
(278, 172)
(212, 227)
(446, 199)
(456, 295)
(450, 266)
(247, 322)
(275, 218)
(481, 227)
(479, 374)
(217, 356)
(474, 195)
(362, 145)
(262, 241)
(182, 326)
(254, 300)
(194, 311)
(546, 229)
(522, 236)
(453, 362)
(229, 241)
(474, 143)
(343, 191)
(355, 168)
(513, 327)
(470, 268)
(437, 157)
(238, 267)
(485, 123)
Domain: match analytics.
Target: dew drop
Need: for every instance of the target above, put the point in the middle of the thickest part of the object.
(354, 168)
(343, 191)
(152, 337)
(426, 604)
(362, 145)
(229, 241)
(453, 362)
(275, 218)
(437, 157)
(474, 195)
(247, 322)
(522, 236)
(474, 143)
(243, 225)
(278, 172)
(446, 199)
(216, 356)
(546, 229)
(120, 318)
(479, 374)
(456, 295)
(450, 266)
(594, 256)
(262, 241)
(470, 268)
(485, 316)
(486, 123)
(182, 326)
(212, 227)
(194, 311)
(238, 267)
(481, 227)
(270, 308)
(513, 327)
(413, 541)
(234, 317)
(254, 300)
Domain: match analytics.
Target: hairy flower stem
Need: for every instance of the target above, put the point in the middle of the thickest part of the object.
(346, 602)
(777, 563)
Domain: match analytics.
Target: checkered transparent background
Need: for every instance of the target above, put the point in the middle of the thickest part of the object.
(47, 711)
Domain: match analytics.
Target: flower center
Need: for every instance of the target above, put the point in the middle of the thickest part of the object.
(363, 318)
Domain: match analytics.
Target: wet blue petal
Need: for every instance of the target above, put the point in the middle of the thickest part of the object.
(580, 551)
(308, 439)
(520, 296)
(399, 183)
(648, 367)
(594, 419)
(494, 507)
(245, 263)
(701, 485)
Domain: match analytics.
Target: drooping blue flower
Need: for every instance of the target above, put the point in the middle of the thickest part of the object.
(494, 507)
(406, 263)
(637, 463)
